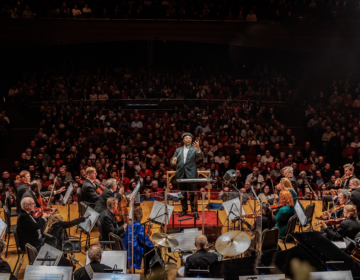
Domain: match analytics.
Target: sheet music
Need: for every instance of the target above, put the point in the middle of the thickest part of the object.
(48, 252)
(186, 240)
(191, 229)
(263, 277)
(235, 209)
(340, 245)
(35, 272)
(5, 276)
(113, 276)
(67, 194)
(90, 222)
(158, 209)
(300, 213)
(331, 275)
(3, 227)
(112, 258)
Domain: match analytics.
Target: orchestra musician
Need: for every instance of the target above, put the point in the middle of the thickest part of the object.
(141, 241)
(57, 228)
(89, 187)
(108, 220)
(4, 266)
(202, 259)
(110, 191)
(343, 198)
(355, 194)
(185, 158)
(24, 178)
(285, 212)
(347, 228)
(288, 173)
(285, 184)
(343, 182)
(28, 229)
(86, 272)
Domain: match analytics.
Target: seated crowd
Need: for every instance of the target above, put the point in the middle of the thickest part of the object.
(201, 10)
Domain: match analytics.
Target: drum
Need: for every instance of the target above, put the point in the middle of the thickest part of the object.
(180, 272)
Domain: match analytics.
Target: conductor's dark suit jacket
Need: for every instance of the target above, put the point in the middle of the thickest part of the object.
(81, 273)
(202, 259)
(101, 203)
(27, 229)
(109, 224)
(187, 169)
(89, 193)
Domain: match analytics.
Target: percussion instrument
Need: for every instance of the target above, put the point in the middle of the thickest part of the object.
(232, 243)
(165, 240)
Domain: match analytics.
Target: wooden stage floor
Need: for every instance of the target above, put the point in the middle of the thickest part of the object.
(12, 255)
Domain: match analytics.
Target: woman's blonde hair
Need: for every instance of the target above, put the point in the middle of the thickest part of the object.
(351, 209)
(286, 183)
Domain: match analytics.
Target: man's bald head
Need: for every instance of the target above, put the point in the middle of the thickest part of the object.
(201, 241)
(25, 202)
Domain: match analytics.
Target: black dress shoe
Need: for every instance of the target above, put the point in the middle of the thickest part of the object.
(183, 213)
(196, 215)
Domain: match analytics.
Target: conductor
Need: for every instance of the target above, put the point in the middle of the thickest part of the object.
(185, 157)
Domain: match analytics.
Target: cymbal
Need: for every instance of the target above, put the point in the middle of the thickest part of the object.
(169, 266)
(232, 243)
(165, 240)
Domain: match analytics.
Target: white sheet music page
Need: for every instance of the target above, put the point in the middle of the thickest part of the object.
(331, 275)
(112, 258)
(235, 209)
(186, 240)
(48, 252)
(90, 222)
(35, 272)
(158, 210)
(115, 276)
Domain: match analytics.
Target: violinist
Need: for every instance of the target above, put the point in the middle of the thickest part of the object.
(24, 178)
(347, 228)
(343, 198)
(288, 172)
(110, 191)
(285, 212)
(89, 187)
(108, 221)
(344, 182)
(355, 194)
(268, 220)
(285, 184)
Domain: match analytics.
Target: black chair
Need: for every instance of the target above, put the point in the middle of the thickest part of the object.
(10, 229)
(18, 250)
(99, 225)
(270, 240)
(31, 252)
(289, 229)
(13, 212)
(309, 213)
(117, 246)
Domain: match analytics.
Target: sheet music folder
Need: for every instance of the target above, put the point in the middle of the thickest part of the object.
(91, 221)
(112, 276)
(67, 194)
(48, 252)
(35, 272)
(112, 258)
(5, 276)
(3, 227)
(158, 211)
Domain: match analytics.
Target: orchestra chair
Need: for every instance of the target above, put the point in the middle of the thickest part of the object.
(18, 250)
(13, 212)
(270, 240)
(31, 253)
(99, 226)
(117, 246)
(290, 228)
(10, 229)
(309, 213)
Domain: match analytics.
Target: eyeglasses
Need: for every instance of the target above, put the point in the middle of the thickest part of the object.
(31, 204)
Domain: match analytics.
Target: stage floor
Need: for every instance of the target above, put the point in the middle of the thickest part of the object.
(63, 210)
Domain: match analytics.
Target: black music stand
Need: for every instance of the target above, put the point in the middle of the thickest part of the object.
(217, 207)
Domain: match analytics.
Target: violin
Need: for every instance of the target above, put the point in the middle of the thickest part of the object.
(276, 206)
(331, 222)
(336, 208)
(249, 216)
(99, 188)
(148, 228)
(122, 213)
(334, 191)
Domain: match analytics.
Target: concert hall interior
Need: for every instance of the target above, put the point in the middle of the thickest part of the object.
(149, 139)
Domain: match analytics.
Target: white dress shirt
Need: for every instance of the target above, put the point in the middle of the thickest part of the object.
(186, 150)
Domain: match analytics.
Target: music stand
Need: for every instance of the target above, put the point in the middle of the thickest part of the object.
(3, 227)
(66, 198)
(88, 225)
(217, 207)
(48, 252)
(113, 259)
(48, 272)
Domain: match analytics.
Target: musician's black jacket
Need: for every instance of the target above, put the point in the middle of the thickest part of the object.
(81, 273)
(101, 203)
(5, 268)
(58, 230)
(89, 193)
(27, 229)
(340, 212)
(349, 227)
(109, 224)
(355, 198)
(202, 259)
(20, 190)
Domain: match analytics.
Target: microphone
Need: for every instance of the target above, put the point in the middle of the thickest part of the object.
(185, 219)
